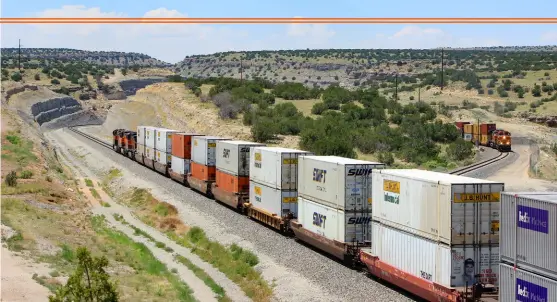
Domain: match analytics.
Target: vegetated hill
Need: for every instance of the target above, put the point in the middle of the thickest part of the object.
(357, 67)
(111, 58)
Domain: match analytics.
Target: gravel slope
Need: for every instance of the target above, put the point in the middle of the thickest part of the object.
(299, 273)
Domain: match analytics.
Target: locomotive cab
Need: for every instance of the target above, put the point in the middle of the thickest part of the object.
(501, 140)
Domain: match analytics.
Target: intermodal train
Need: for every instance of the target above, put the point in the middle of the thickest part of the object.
(326, 202)
(486, 134)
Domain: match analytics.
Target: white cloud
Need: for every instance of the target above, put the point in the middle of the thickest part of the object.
(549, 37)
(419, 37)
(309, 35)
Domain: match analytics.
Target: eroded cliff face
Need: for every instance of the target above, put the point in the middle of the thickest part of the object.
(47, 110)
(130, 87)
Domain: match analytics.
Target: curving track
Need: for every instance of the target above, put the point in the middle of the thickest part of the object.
(482, 164)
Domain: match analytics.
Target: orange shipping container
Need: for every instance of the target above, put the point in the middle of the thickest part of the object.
(181, 144)
(202, 172)
(231, 183)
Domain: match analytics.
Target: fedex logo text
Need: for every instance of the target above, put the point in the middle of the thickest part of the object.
(532, 219)
(530, 292)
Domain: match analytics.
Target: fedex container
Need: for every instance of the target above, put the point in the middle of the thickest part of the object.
(338, 182)
(450, 266)
(529, 231)
(203, 150)
(438, 206)
(141, 134)
(334, 224)
(163, 157)
(275, 167)
(150, 137)
(272, 200)
(233, 156)
(180, 165)
(163, 139)
(521, 285)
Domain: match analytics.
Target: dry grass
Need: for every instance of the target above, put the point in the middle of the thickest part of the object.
(303, 106)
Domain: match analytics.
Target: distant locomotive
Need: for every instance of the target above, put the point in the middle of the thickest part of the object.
(486, 135)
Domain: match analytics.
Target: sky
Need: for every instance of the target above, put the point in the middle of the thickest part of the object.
(172, 42)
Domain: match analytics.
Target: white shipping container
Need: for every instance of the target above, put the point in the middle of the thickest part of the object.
(233, 157)
(520, 285)
(150, 137)
(529, 231)
(203, 149)
(439, 206)
(163, 140)
(272, 200)
(141, 135)
(450, 266)
(180, 165)
(275, 167)
(140, 149)
(342, 183)
(150, 153)
(163, 157)
(334, 224)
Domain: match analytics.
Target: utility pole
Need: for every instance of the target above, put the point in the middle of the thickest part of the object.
(419, 90)
(442, 72)
(396, 87)
(19, 56)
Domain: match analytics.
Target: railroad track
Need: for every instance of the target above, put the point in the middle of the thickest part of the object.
(97, 140)
(476, 166)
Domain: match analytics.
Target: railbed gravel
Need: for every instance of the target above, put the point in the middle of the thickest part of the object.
(298, 272)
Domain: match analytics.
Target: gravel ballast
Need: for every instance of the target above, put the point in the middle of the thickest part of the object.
(298, 272)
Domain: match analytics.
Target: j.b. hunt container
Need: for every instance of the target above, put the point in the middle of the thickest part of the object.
(519, 285)
(275, 167)
(441, 207)
(529, 231)
(430, 269)
(340, 233)
(338, 182)
(272, 206)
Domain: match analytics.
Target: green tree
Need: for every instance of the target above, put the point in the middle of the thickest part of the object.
(16, 76)
(89, 282)
(124, 71)
(460, 149)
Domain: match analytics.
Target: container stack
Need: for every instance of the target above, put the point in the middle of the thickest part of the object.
(203, 162)
(436, 227)
(163, 145)
(274, 183)
(460, 126)
(181, 152)
(528, 267)
(232, 171)
(146, 141)
(334, 199)
(485, 133)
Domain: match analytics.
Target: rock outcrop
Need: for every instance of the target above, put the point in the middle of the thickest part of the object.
(47, 110)
(130, 87)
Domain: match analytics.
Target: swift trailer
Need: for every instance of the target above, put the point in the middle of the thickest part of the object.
(231, 186)
(456, 218)
(529, 231)
(337, 186)
(273, 192)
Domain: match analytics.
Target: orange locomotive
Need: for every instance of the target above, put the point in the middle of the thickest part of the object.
(486, 134)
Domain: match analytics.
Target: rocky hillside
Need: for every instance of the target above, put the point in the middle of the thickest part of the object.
(111, 58)
(355, 67)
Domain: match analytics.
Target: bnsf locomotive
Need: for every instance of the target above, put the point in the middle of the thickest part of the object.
(486, 134)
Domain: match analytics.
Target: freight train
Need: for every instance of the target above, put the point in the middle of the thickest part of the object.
(486, 134)
(435, 235)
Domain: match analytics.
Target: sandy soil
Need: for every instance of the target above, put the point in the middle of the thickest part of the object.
(17, 278)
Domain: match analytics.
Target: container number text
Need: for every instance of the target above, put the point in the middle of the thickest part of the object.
(319, 219)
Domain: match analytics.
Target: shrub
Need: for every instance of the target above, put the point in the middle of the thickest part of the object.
(26, 174)
(11, 179)
(55, 81)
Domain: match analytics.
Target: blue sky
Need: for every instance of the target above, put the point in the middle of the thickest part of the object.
(172, 42)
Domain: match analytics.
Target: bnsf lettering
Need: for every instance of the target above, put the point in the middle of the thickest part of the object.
(319, 219)
(226, 153)
(358, 172)
(359, 220)
(319, 175)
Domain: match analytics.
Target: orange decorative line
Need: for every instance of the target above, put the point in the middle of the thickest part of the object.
(277, 20)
